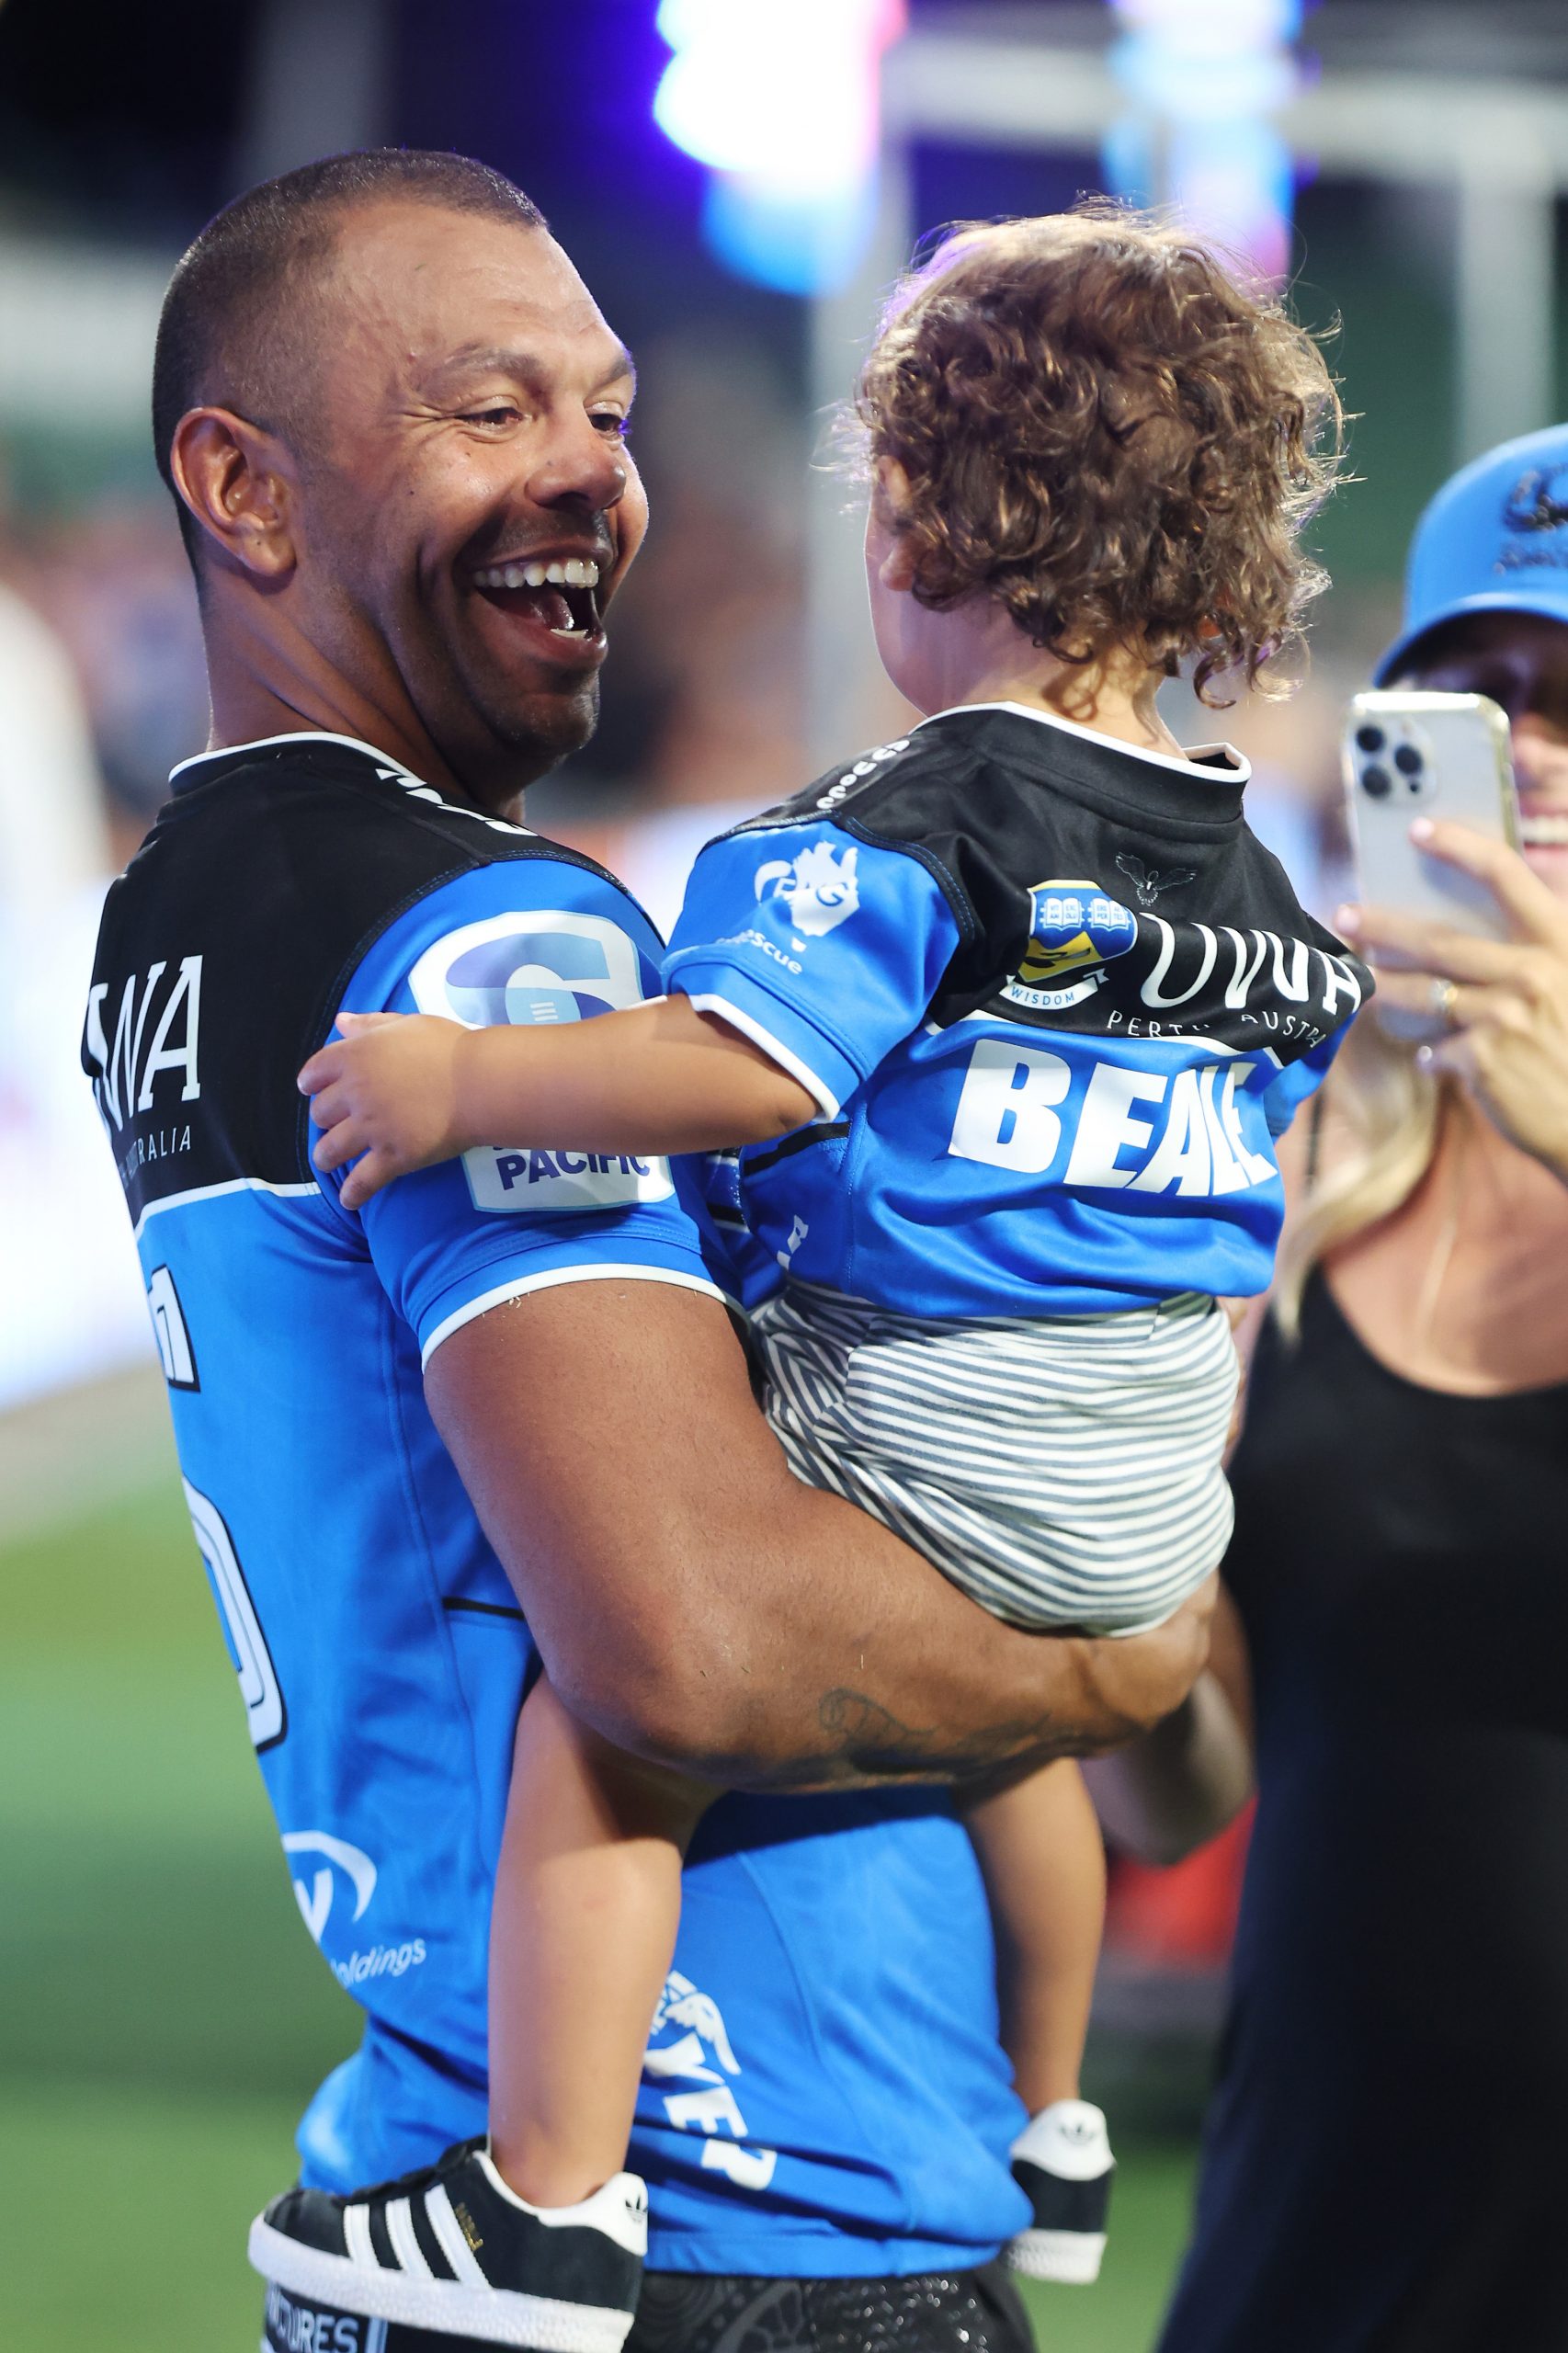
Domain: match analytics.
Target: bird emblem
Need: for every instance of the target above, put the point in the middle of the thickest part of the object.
(1148, 881)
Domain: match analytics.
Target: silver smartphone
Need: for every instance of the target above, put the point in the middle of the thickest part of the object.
(1412, 754)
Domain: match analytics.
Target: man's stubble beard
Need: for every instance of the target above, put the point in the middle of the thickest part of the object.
(541, 732)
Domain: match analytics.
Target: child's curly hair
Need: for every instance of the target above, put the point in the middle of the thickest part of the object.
(1101, 429)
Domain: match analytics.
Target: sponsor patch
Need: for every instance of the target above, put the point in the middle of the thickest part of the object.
(542, 970)
(1074, 928)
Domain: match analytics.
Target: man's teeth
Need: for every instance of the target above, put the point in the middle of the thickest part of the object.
(1544, 833)
(576, 573)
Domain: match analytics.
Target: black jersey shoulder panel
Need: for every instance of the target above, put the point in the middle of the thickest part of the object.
(919, 783)
(1000, 808)
(225, 946)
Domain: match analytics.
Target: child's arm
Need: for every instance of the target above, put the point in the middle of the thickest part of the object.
(407, 1089)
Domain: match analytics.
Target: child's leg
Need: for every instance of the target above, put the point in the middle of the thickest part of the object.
(587, 1902)
(1039, 1843)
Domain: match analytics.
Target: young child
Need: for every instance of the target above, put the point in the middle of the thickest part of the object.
(994, 1028)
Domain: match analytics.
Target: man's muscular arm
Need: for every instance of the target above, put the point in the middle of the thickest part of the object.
(699, 1605)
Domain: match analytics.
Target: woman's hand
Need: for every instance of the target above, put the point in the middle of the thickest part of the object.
(386, 1095)
(1497, 1009)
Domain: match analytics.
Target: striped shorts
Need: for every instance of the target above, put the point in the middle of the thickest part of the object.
(1063, 1472)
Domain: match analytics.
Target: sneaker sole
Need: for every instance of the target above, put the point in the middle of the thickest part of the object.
(495, 2315)
(375, 2342)
(1072, 2258)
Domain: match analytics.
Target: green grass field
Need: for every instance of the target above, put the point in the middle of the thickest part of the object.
(163, 2015)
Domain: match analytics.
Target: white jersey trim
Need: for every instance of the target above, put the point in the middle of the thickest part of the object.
(749, 1027)
(522, 1284)
(216, 1192)
(1190, 764)
(390, 767)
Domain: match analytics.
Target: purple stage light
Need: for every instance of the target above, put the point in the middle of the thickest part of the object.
(779, 99)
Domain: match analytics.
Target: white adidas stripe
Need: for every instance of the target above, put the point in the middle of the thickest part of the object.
(495, 2316)
(357, 2235)
(405, 2246)
(449, 2231)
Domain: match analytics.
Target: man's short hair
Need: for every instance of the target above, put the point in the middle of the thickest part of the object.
(236, 324)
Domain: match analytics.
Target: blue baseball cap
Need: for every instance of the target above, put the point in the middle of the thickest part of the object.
(1494, 539)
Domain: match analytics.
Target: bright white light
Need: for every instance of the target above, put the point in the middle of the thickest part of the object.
(1213, 24)
(784, 91)
(779, 99)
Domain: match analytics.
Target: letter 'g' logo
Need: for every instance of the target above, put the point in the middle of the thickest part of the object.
(538, 969)
(818, 889)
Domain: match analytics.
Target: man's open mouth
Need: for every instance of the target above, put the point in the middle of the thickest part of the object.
(561, 595)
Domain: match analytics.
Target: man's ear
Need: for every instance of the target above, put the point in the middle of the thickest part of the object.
(238, 482)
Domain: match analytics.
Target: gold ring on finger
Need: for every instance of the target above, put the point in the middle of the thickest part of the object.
(1444, 996)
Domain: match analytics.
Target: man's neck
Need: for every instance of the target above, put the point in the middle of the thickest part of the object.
(247, 709)
(258, 693)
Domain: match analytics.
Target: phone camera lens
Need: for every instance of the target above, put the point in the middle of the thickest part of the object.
(1377, 782)
(1408, 760)
(1370, 739)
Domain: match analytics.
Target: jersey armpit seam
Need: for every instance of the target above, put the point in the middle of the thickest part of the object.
(970, 929)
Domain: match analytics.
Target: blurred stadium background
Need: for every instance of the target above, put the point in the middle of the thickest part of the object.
(738, 180)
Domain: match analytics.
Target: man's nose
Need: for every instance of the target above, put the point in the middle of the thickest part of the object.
(582, 467)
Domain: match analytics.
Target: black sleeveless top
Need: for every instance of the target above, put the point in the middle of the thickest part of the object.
(1385, 2165)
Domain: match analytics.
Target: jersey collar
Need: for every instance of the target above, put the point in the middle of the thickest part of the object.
(203, 766)
(186, 770)
(1205, 787)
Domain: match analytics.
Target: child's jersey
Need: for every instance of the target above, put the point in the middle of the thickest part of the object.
(1055, 1002)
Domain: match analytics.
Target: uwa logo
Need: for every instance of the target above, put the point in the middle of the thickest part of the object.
(315, 1896)
(146, 1041)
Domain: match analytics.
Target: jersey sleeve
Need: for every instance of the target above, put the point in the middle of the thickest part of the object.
(1284, 1095)
(528, 942)
(824, 950)
(1304, 1074)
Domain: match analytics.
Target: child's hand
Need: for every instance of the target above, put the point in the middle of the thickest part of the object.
(390, 1092)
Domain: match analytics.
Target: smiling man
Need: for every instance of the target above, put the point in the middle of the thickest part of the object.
(499, 1419)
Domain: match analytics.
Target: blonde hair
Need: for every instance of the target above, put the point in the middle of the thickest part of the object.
(1392, 1109)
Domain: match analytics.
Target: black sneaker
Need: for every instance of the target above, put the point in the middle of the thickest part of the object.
(1062, 2162)
(453, 2250)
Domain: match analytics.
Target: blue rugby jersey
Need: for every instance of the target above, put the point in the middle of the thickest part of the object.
(824, 2092)
(1055, 1002)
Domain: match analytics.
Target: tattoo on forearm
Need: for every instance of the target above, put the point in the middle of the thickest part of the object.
(862, 1745)
(872, 1744)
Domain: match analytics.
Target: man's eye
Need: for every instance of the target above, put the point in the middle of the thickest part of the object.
(611, 421)
(499, 413)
